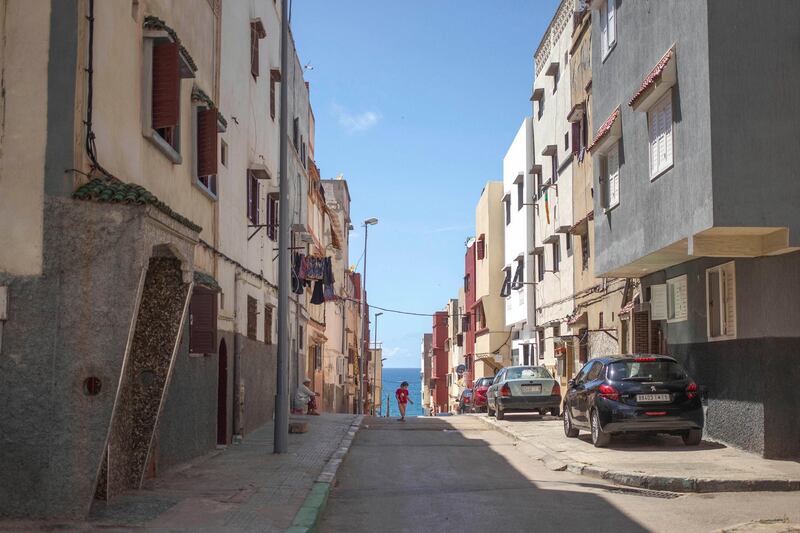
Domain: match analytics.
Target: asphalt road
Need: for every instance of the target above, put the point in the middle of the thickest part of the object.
(456, 474)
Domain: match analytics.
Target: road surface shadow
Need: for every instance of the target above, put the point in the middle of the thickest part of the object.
(426, 475)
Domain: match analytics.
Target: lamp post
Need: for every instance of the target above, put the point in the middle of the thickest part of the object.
(367, 223)
(375, 367)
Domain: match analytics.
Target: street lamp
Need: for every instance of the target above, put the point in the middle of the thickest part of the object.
(367, 223)
(375, 367)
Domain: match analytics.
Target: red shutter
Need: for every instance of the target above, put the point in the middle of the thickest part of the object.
(207, 142)
(576, 137)
(253, 50)
(203, 321)
(166, 85)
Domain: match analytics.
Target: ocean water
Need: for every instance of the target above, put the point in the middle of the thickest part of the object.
(392, 378)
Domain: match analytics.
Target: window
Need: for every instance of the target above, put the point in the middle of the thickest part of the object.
(608, 26)
(252, 314)
(659, 119)
(203, 321)
(480, 249)
(721, 301)
(596, 372)
(273, 201)
(317, 352)
(506, 288)
(677, 299)
(257, 33)
(480, 317)
(519, 275)
(540, 334)
(466, 283)
(609, 178)
(556, 255)
(274, 77)
(539, 190)
(576, 137)
(600, 320)
(206, 147)
(165, 100)
(296, 133)
(520, 194)
(554, 166)
(465, 323)
(585, 251)
(252, 198)
(540, 266)
(566, 141)
(267, 324)
(507, 205)
(541, 106)
(568, 242)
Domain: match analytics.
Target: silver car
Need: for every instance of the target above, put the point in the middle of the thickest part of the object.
(523, 389)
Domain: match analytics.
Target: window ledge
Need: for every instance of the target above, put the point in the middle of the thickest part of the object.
(722, 338)
(198, 184)
(607, 210)
(660, 173)
(608, 52)
(481, 332)
(164, 147)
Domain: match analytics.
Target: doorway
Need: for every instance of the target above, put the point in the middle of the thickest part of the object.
(222, 395)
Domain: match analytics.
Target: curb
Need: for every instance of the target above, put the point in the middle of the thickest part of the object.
(307, 517)
(557, 461)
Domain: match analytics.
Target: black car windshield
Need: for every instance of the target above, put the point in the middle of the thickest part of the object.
(528, 372)
(633, 370)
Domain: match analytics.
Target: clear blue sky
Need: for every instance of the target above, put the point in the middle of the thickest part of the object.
(416, 103)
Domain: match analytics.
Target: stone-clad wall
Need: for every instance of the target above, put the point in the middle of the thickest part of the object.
(258, 367)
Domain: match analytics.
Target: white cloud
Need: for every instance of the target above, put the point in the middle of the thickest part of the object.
(355, 122)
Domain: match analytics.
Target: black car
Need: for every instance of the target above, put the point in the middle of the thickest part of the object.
(465, 401)
(638, 393)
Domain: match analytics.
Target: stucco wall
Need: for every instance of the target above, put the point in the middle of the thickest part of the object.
(652, 215)
(23, 133)
(752, 90)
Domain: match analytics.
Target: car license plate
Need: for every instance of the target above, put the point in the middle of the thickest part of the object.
(531, 388)
(652, 397)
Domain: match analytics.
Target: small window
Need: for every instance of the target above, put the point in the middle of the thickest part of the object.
(556, 255)
(505, 290)
(267, 324)
(677, 299)
(540, 336)
(568, 242)
(466, 283)
(252, 315)
(721, 301)
(540, 266)
(600, 320)
(507, 206)
(609, 177)
(223, 152)
(203, 321)
(252, 198)
(585, 251)
(659, 119)
(206, 147)
(520, 194)
(480, 248)
(296, 134)
(256, 34)
(273, 202)
(566, 141)
(554, 166)
(541, 106)
(608, 26)
(274, 78)
(166, 93)
(518, 281)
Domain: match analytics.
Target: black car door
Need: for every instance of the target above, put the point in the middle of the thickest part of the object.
(573, 393)
(584, 390)
(594, 378)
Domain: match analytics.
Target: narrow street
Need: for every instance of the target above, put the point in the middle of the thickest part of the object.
(457, 474)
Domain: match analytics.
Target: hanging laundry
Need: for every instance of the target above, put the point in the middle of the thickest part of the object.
(546, 206)
(297, 279)
(318, 296)
(315, 268)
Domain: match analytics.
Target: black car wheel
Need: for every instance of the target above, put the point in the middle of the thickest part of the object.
(500, 414)
(555, 411)
(569, 430)
(600, 438)
(693, 437)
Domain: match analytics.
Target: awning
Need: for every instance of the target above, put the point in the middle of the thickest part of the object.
(581, 227)
(550, 149)
(655, 84)
(578, 317)
(609, 131)
(537, 95)
(576, 113)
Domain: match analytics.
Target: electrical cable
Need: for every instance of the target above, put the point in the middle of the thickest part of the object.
(90, 144)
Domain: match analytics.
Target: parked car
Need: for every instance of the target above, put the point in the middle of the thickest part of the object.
(639, 393)
(479, 390)
(465, 401)
(523, 389)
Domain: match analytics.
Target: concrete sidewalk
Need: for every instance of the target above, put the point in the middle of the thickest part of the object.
(654, 462)
(242, 488)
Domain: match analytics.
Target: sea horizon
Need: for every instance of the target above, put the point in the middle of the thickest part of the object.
(391, 380)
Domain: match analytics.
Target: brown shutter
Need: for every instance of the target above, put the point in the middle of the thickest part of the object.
(203, 321)
(253, 50)
(166, 85)
(207, 142)
(576, 137)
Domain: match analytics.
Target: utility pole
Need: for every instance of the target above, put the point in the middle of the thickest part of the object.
(367, 223)
(375, 367)
(281, 427)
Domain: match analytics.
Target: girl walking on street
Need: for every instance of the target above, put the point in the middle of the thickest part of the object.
(402, 399)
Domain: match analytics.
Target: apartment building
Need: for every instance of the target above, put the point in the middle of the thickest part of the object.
(468, 321)
(552, 168)
(594, 323)
(425, 348)
(694, 165)
(519, 216)
(455, 348)
(439, 360)
(492, 339)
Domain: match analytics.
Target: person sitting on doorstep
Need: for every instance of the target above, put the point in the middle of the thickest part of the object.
(305, 397)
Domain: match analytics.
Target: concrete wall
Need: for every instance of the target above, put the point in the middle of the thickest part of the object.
(751, 82)
(679, 202)
(23, 133)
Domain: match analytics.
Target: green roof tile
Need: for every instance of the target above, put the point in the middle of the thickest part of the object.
(113, 190)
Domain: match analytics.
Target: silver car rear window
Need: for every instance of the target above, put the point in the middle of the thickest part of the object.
(528, 372)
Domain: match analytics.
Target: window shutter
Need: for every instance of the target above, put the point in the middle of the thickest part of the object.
(612, 21)
(654, 155)
(729, 299)
(667, 115)
(203, 321)
(166, 85)
(658, 302)
(613, 176)
(604, 29)
(576, 137)
(253, 50)
(207, 142)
